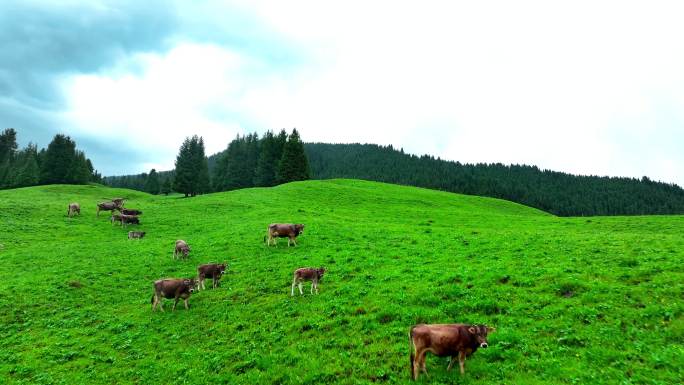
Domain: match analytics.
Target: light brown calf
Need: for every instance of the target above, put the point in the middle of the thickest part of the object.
(73, 209)
(182, 247)
(307, 274)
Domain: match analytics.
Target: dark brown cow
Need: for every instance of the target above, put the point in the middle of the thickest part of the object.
(130, 211)
(182, 247)
(453, 340)
(211, 270)
(136, 234)
(107, 206)
(175, 288)
(73, 209)
(307, 274)
(284, 230)
(125, 219)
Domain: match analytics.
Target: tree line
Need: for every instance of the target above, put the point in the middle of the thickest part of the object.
(248, 161)
(551, 191)
(60, 162)
(252, 161)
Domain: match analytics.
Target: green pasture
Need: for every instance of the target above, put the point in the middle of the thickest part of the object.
(597, 300)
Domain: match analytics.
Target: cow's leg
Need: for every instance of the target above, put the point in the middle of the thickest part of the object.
(175, 303)
(301, 292)
(294, 282)
(214, 283)
(461, 361)
(452, 362)
(186, 304)
(161, 304)
(420, 356)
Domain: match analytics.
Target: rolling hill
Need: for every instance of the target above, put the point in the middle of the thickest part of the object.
(574, 300)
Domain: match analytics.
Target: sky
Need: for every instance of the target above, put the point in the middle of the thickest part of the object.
(586, 87)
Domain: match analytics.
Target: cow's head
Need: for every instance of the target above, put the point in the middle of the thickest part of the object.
(222, 268)
(480, 333)
(299, 228)
(321, 270)
(190, 284)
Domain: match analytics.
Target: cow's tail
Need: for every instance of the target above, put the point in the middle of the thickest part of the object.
(264, 239)
(411, 348)
(152, 300)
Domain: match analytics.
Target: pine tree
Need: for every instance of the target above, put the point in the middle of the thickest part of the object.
(152, 182)
(166, 186)
(192, 171)
(269, 158)
(60, 158)
(202, 173)
(183, 181)
(293, 165)
(8, 149)
(27, 170)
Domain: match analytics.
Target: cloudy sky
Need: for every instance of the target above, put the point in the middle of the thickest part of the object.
(589, 87)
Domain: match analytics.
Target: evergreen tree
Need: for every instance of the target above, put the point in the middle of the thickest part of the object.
(152, 183)
(184, 179)
(200, 161)
(8, 149)
(27, 170)
(192, 171)
(59, 160)
(269, 158)
(293, 164)
(166, 186)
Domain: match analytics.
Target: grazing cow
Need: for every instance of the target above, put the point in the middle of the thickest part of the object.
(73, 209)
(136, 234)
(129, 211)
(307, 274)
(211, 270)
(284, 230)
(118, 201)
(175, 288)
(107, 206)
(454, 340)
(182, 247)
(125, 219)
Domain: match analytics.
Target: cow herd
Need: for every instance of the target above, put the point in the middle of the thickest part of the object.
(456, 341)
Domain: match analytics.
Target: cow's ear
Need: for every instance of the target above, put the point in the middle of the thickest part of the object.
(471, 330)
(490, 330)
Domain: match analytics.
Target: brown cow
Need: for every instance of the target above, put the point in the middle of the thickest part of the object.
(107, 206)
(454, 340)
(211, 270)
(284, 230)
(73, 209)
(125, 219)
(136, 234)
(129, 211)
(175, 288)
(182, 247)
(307, 274)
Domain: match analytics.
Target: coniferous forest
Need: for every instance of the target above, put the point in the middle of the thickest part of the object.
(279, 158)
(551, 191)
(61, 162)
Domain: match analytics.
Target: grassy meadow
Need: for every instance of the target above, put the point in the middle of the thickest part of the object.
(595, 300)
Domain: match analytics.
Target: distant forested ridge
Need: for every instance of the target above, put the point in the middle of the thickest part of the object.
(60, 162)
(554, 192)
(551, 191)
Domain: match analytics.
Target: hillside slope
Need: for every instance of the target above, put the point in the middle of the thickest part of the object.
(574, 300)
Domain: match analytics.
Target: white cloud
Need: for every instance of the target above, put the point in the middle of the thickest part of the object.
(585, 87)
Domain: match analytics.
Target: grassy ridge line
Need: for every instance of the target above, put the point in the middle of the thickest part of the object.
(397, 255)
